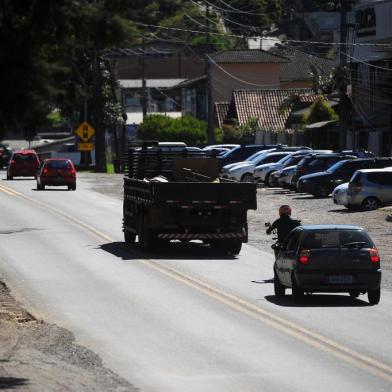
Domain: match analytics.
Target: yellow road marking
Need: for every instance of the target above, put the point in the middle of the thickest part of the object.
(10, 191)
(303, 334)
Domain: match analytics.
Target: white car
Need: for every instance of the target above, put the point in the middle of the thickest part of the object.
(243, 171)
(286, 176)
(339, 194)
(225, 169)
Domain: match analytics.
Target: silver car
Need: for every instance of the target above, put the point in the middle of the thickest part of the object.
(370, 188)
(339, 194)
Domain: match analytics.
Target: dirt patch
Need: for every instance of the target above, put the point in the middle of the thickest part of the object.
(36, 356)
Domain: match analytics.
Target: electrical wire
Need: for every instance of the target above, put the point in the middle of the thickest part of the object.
(319, 43)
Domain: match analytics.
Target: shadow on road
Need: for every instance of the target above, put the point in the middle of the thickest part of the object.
(317, 301)
(170, 251)
(12, 382)
(343, 211)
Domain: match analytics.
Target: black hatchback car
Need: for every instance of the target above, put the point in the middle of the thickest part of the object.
(315, 163)
(323, 183)
(328, 258)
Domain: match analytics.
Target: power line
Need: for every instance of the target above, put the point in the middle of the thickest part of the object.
(319, 43)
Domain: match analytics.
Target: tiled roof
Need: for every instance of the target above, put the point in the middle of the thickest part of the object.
(221, 109)
(300, 65)
(247, 56)
(264, 106)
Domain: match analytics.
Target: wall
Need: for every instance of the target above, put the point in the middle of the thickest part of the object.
(251, 76)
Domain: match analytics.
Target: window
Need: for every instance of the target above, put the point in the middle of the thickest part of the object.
(58, 164)
(24, 157)
(335, 238)
(380, 178)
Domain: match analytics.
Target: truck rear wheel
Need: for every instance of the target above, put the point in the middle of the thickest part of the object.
(129, 237)
(227, 247)
(146, 236)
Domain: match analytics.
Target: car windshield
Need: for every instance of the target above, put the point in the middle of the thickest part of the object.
(337, 238)
(336, 166)
(58, 164)
(284, 159)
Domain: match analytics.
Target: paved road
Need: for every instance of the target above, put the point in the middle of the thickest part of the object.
(181, 321)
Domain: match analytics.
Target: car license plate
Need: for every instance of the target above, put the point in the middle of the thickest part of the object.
(59, 179)
(340, 279)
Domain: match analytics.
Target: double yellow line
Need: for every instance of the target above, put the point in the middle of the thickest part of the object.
(9, 191)
(305, 335)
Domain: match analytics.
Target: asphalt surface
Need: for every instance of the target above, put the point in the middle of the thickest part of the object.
(182, 320)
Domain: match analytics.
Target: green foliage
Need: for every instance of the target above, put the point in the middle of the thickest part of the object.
(320, 110)
(288, 104)
(235, 133)
(166, 129)
(55, 119)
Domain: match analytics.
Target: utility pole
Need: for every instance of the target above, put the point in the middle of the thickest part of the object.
(144, 84)
(344, 104)
(210, 104)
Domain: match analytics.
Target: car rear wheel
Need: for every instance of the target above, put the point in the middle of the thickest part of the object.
(9, 177)
(247, 178)
(370, 204)
(374, 296)
(38, 186)
(267, 180)
(297, 292)
(279, 289)
(72, 187)
(322, 191)
(42, 187)
(354, 294)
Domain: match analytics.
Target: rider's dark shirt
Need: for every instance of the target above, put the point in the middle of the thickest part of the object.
(283, 225)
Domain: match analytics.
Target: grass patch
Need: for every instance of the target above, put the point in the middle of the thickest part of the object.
(110, 168)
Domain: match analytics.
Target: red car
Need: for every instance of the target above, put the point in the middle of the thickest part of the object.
(23, 163)
(57, 172)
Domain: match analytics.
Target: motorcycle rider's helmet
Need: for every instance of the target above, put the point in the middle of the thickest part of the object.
(285, 210)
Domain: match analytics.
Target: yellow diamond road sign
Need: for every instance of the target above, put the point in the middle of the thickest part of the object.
(85, 131)
(85, 146)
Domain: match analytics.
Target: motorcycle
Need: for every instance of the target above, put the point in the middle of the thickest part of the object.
(276, 246)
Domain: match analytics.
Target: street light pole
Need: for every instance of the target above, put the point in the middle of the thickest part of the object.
(210, 104)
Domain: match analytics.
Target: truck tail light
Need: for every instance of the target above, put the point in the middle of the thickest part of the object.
(304, 256)
(374, 256)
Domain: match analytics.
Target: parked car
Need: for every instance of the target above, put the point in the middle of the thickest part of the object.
(5, 155)
(263, 172)
(339, 194)
(361, 153)
(56, 172)
(370, 188)
(328, 258)
(227, 146)
(314, 163)
(242, 153)
(323, 183)
(23, 163)
(284, 177)
(243, 171)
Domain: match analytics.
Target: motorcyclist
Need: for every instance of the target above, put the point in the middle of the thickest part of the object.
(283, 226)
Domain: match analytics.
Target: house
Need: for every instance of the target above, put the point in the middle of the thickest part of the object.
(371, 74)
(266, 106)
(161, 65)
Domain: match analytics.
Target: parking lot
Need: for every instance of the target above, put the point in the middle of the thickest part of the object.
(311, 210)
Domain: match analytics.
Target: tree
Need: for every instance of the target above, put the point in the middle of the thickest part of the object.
(320, 110)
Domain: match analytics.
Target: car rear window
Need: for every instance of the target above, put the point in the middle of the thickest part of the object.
(58, 165)
(24, 157)
(336, 238)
